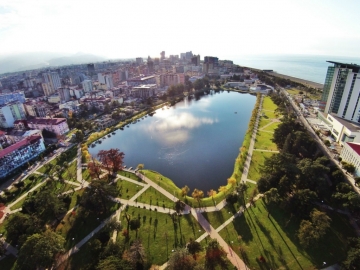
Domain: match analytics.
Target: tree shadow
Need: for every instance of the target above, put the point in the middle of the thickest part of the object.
(242, 228)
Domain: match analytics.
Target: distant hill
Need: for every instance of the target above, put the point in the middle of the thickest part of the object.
(27, 61)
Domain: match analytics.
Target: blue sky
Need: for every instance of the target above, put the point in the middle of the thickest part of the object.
(139, 28)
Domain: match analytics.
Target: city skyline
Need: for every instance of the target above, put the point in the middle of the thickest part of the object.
(119, 29)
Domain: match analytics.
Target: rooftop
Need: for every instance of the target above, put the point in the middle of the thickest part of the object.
(354, 146)
(46, 121)
(354, 127)
(25, 142)
(355, 67)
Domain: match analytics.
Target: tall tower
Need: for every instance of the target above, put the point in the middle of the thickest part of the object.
(341, 91)
(162, 55)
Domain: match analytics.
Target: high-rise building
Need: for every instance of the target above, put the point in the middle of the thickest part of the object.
(150, 65)
(87, 85)
(188, 55)
(139, 61)
(195, 60)
(53, 80)
(64, 94)
(341, 91)
(106, 79)
(162, 55)
(91, 69)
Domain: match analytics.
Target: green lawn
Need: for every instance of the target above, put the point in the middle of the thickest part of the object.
(69, 156)
(127, 189)
(294, 91)
(59, 187)
(169, 186)
(86, 175)
(219, 217)
(274, 238)
(263, 141)
(77, 227)
(159, 234)
(7, 263)
(268, 104)
(271, 127)
(153, 197)
(130, 175)
(14, 193)
(18, 204)
(75, 198)
(71, 172)
(257, 160)
(263, 122)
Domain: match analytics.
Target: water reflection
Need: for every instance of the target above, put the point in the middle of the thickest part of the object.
(174, 128)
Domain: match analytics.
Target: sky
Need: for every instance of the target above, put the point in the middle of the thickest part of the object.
(133, 28)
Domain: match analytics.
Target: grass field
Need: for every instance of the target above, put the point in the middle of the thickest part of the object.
(77, 227)
(70, 173)
(127, 189)
(254, 234)
(153, 197)
(159, 234)
(130, 175)
(294, 91)
(15, 193)
(86, 175)
(263, 122)
(271, 127)
(268, 104)
(263, 141)
(257, 161)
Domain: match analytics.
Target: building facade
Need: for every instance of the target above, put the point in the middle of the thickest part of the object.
(11, 97)
(20, 153)
(57, 125)
(341, 91)
(11, 112)
(351, 154)
(87, 86)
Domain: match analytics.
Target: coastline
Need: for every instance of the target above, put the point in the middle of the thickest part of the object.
(291, 78)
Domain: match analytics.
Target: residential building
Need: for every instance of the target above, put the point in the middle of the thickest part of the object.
(341, 91)
(11, 112)
(54, 98)
(20, 153)
(37, 109)
(141, 80)
(195, 60)
(139, 61)
(46, 89)
(53, 80)
(87, 85)
(162, 55)
(64, 94)
(91, 69)
(11, 97)
(57, 125)
(351, 154)
(144, 91)
(97, 102)
(106, 78)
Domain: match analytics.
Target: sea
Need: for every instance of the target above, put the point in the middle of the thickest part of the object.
(308, 67)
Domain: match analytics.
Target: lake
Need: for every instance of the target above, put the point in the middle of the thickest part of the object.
(194, 142)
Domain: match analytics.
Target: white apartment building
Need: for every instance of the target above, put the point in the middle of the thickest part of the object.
(11, 112)
(351, 154)
(53, 80)
(87, 86)
(106, 78)
(341, 91)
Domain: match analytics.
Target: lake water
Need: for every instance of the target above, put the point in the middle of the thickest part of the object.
(194, 143)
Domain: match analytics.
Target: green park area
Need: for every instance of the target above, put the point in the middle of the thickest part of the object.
(273, 236)
(160, 233)
(153, 197)
(314, 95)
(263, 141)
(257, 160)
(126, 189)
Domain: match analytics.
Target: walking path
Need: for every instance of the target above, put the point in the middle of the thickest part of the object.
(251, 146)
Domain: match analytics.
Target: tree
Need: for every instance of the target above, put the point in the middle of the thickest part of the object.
(223, 189)
(357, 181)
(112, 159)
(212, 193)
(79, 135)
(40, 250)
(310, 232)
(198, 195)
(97, 197)
(231, 181)
(137, 255)
(184, 191)
(114, 263)
(352, 260)
(128, 219)
(215, 255)
(20, 226)
(179, 206)
(135, 225)
(140, 167)
(181, 260)
(301, 202)
(94, 169)
(271, 195)
(350, 168)
(194, 247)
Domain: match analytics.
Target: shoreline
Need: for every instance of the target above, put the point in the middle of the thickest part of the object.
(291, 78)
